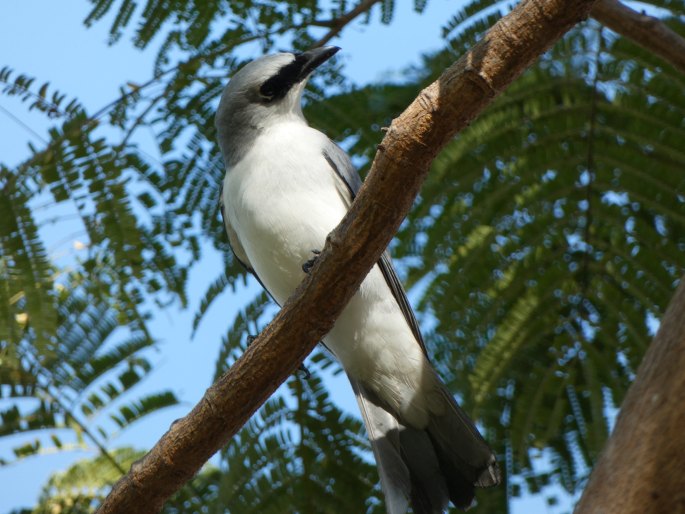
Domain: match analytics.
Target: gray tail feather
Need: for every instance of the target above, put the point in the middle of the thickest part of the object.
(426, 468)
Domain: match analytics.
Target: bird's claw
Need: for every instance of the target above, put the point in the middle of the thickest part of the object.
(307, 266)
(303, 369)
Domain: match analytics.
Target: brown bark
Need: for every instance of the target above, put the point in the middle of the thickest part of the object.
(399, 169)
(647, 31)
(640, 470)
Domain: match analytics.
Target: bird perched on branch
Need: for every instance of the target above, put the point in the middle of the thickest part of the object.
(286, 187)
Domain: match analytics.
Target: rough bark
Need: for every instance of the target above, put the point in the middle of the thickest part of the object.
(399, 169)
(647, 31)
(640, 470)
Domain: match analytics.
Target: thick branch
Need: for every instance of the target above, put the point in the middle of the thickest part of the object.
(399, 169)
(647, 31)
(641, 468)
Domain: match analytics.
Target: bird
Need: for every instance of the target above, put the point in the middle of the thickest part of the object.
(286, 187)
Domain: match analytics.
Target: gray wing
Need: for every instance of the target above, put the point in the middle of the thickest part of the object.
(349, 185)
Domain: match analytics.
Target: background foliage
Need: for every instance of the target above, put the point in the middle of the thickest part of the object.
(544, 247)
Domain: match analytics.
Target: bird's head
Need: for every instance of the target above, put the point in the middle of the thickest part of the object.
(264, 90)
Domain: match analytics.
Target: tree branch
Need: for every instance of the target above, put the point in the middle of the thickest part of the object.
(399, 169)
(640, 468)
(647, 31)
(339, 23)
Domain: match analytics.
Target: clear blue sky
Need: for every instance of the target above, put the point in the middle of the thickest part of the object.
(48, 40)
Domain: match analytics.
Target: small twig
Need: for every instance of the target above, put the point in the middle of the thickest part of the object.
(139, 119)
(23, 125)
(339, 23)
(52, 108)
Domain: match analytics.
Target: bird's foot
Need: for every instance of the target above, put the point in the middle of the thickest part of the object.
(306, 374)
(307, 266)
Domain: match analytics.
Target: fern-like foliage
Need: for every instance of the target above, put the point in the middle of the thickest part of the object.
(82, 171)
(62, 388)
(265, 21)
(82, 487)
(72, 329)
(547, 237)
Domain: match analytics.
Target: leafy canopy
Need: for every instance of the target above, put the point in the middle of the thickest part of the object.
(541, 253)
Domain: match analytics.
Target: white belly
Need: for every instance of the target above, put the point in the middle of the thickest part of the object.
(282, 201)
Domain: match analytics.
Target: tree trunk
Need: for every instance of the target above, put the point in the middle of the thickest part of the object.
(641, 469)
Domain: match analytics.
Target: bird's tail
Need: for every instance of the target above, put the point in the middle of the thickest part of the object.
(427, 468)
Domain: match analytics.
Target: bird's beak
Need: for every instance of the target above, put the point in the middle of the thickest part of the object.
(312, 59)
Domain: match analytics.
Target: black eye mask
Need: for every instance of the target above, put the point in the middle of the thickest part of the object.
(278, 86)
(304, 63)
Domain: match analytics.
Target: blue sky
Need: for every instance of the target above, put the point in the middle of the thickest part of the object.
(48, 40)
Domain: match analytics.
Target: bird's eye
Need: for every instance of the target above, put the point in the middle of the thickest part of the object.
(266, 94)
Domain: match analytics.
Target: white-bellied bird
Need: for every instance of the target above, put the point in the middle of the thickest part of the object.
(286, 187)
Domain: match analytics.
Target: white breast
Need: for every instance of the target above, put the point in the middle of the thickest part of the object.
(282, 201)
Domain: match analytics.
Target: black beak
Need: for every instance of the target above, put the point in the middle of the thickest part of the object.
(312, 59)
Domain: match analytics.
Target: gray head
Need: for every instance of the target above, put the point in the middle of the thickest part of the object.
(264, 89)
